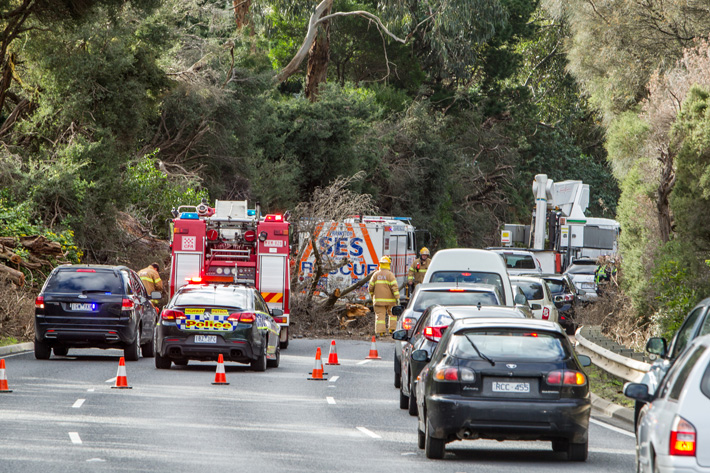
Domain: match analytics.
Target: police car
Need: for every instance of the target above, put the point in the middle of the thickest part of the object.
(203, 321)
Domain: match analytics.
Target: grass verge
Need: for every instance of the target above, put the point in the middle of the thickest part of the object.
(607, 386)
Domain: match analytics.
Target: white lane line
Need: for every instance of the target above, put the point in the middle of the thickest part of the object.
(110, 380)
(330, 400)
(74, 436)
(363, 362)
(611, 427)
(334, 379)
(78, 403)
(90, 390)
(369, 433)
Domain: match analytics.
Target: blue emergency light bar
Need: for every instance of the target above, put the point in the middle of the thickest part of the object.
(405, 219)
(251, 212)
(189, 216)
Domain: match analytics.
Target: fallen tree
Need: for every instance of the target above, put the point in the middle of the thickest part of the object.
(31, 252)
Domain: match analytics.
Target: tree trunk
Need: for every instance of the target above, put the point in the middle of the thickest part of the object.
(318, 58)
(15, 276)
(665, 187)
(241, 13)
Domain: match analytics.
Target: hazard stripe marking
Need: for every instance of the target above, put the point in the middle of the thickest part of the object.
(368, 432)
(74, 437)
(273, 296)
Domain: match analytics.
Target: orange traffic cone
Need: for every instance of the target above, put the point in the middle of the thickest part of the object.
(333, 355)
(317, 374)
(121, 379)
(220, 377)
(373, 351)
(3, 379)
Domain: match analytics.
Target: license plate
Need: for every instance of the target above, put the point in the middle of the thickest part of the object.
(587, 285)
(499, 387)
(85, 306)
(205, 338)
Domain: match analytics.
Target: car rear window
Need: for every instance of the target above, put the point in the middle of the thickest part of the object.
(555, 286)
(445, 297)
(519, 261)
(582, 269)
(468, 277)
(506, 344)
(212, 298)
(77, 281)
(533, 291)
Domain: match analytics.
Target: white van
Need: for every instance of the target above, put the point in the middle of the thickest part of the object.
(468, 265)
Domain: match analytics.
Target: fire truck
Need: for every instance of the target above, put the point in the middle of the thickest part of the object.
(232, 244)
(363, 240)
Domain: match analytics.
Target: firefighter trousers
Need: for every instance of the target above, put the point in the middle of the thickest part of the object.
(383, 315)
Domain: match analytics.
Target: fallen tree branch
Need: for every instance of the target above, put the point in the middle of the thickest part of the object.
(15, 276)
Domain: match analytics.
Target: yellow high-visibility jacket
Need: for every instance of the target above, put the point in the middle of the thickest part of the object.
(383, 288)
(150, 279)
(417, 271)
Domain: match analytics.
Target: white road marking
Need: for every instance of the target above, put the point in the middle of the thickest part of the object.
(94, 460)
(408, 453)
(334, 379)
(369, 433)
(90, 390)
(110, 380)
(74, 436)
(611, 427)
(363, 362)
(78, 403)
(330, 400)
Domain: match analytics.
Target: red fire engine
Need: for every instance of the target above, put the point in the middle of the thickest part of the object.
(231, 244)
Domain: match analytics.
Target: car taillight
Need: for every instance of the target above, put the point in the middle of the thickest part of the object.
(281, 320)
(127, 304)
(169, 314)
(408, 323)
(545, 313)
(194, 280)
(39, 302)
(450, 373)
(85, 270)
(243, 317)
(682, 438)
(456, 290)
(569, 297)
(434, 333)
(566, 378)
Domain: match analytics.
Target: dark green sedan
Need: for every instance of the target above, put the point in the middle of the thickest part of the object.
(203, 321)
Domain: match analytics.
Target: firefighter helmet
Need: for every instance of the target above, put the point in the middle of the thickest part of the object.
(385, 262)
(424, 251)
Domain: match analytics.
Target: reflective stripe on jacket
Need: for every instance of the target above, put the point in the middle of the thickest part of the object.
(383, 288)
(150, 279)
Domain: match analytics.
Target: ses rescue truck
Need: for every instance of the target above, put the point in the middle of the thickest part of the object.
(363, 240)
(231, 244)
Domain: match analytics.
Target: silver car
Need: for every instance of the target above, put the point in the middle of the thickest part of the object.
(674, 425)
(582, 273)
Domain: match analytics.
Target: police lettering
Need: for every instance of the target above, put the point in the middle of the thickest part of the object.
(208, 324)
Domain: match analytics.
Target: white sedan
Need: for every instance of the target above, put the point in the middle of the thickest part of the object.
(674, 426)
(538, 295)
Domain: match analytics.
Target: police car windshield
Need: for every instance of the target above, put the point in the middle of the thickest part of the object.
(446, 297)
(212, 298)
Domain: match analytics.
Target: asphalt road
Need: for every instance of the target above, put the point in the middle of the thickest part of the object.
(63, 416)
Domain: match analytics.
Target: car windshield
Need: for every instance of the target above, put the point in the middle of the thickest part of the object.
(533, 291)
(468, 277)
(85, 280)
(555, 286)
(212, 298)
(582, 269)
(507, 344)
(513, 261)
(445, 297)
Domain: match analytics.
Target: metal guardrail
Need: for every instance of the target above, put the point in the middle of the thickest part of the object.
(621, 366)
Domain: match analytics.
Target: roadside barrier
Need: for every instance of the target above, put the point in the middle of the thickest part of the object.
(220, 377)
(373, 351)
(4, 388)
(121, 379)
(590, 343)
(317, 374)
(333, 355)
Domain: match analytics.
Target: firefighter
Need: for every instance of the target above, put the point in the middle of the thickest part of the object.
(151, 279)
(416, 272)
(385, 295)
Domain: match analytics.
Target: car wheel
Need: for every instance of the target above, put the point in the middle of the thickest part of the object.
(284, 344)
(260, 363)
(180, 362)
(276, 361)
(638, 405)
(571, 328)
(403, 400)
(148, 349)
(162, 362)
(397, 372)
(60, 351)
(132, 351)
(397, 380)
(577, 452)
(42, 350)
(412, 407)
(433, 448)
(421, 438)
(560, 445)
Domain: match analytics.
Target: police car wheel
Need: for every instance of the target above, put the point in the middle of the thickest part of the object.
(260, 363)
(162, 362)
(276, 361)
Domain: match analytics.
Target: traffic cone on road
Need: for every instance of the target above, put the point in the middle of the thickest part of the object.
(121, 379)
(220, 376)
(317, 374)
(373, 351)
(3, 379)
(333, 355)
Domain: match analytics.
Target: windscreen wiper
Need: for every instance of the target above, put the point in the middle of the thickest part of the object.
(493, 363)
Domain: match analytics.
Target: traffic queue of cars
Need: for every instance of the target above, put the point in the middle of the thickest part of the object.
(489, 371)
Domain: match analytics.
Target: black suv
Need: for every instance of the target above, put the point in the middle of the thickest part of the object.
(94, 306)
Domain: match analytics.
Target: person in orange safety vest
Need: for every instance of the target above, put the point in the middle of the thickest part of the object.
(151, 279)
(384, 291)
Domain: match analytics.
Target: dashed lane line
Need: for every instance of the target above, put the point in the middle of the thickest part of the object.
(110, 380)
(368, 432)
(334, 379)
(363, 362)
(78, 403)
(74, 437)
(330, 400)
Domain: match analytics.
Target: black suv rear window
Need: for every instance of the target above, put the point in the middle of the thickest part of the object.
(77, 281)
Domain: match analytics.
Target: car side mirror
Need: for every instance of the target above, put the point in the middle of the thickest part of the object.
(536, 307)
(156, 295)
(637, 391)
(276, 312)
(397, 310)
(584, 360)
(657, 346)
(520, 299)
(420, 355)
(400, 335)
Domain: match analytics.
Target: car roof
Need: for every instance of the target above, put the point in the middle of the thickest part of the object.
(482, 311)
(526, 279)
(512, 251)
(437, 286)
(215, 287)
(92, 266)
(489, 322)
